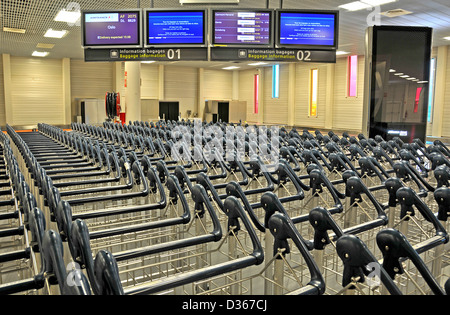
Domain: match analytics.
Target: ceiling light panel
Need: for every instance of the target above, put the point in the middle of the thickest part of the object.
(377, 2)
(40, 54)
(55, 34)
(67, 16)
(45, 46)
(355, 6)
(14, 30)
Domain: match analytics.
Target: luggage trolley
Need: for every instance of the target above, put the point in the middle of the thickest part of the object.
(41, 252)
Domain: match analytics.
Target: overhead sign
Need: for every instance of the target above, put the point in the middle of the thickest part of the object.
(146, 54)
(112, 29)
(288, 55)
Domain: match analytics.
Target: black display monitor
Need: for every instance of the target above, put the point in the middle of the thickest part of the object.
(307, 29)
(112, 28)
(397, 81)
(243, 27)
(180, 28)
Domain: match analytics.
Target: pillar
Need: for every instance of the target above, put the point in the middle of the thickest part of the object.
(439, 94)
(133, 94)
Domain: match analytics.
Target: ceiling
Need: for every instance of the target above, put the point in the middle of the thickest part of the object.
(36, 17)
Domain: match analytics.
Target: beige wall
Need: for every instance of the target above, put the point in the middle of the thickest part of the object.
(89, 80)
(36, 90)
(2, 96)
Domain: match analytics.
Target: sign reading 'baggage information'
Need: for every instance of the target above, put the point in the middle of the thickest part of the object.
(146, 54)
(292, 55)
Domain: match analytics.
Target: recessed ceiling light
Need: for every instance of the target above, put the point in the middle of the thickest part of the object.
(395, 13)
(391, 70)
(340, 52)
(55, 34)
(40, 53)
(377, 2)
(410, 78)
(420, 82)
(230, 68)
(404, 76)
(447, 38)
(67, 16)
(45, 46)
(399, 73)
(355, 6)
(14, 30)
(148, 61)
(257, 63)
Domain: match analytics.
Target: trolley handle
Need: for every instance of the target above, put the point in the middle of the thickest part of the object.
(318, 178)
(418, 148)
(49, 244)
(356, 150)
(287, 154)
(356, 258)
(407, 198)
(183, 178)
(442, 175)
(442, 146)
(393, 184)
(272, 204)
(394, 246)
(162, 170)
(442, 197)
(175, 192)
(102, 271)
(234, 189)
(369, 165)
(336, 162)
(310, 158)
(203, 180)
(294, 178)
(404, 170)
(380, 152)
(438, 160)
(283, 229)
(321, 221)
(355, 186)
(407, 156)
(234, 211)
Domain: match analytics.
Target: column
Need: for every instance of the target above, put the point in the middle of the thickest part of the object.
(329, 99)
(291, 94)
(67, 98)
(201, 97)
(439, 94)
(7, 88)
(133, 95)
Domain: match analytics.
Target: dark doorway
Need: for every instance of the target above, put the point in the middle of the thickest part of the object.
(169, 110)
(223, 111)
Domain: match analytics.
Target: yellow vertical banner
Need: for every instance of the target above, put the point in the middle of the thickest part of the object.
(314, 82)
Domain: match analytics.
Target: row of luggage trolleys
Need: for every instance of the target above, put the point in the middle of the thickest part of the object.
(336, 215)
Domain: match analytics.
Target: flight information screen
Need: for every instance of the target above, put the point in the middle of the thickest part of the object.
(175, 27)
(307, 29)
(242, 27)
(111, 29)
